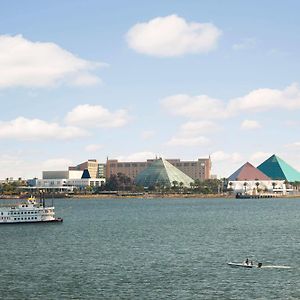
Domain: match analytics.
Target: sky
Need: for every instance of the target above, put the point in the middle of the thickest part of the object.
(132, 80)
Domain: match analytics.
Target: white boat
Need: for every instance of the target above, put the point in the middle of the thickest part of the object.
(28, 211)
(244, 265)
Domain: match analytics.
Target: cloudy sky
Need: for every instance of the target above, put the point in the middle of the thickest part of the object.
(136, 79)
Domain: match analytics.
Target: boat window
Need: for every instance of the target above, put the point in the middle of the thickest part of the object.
(35, 217)
(15, 218)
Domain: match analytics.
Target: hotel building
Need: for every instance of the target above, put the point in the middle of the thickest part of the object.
(199, 169)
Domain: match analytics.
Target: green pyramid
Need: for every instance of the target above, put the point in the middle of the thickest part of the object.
(163, 173)
(278, 169)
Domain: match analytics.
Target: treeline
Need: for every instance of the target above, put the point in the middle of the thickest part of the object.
(121, 182)
(11, 187)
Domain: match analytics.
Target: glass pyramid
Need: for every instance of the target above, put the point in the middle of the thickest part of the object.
(278, 169)
(163, 173)
(248, 172)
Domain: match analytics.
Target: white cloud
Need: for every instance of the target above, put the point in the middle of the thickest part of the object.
(191, 134)
(93, 147)
(197, 107)
(138, 156)
(40, 64)
(259, 157)
(194, 128)
(172, 36)
(247, 43)
(8, 165)
(35, 129)
(204, 107)
(87, 115)
(224, 163)
(15, 165)
(56, 164)
(147, 134)
(293, 145)
(267, 99)
(221, 156)
(250, 124)
(188, 141)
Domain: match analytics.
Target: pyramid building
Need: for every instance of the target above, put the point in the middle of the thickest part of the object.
(163, 173)
(278, 169)
(248, 172)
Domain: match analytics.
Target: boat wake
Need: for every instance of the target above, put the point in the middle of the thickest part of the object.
(275, 267)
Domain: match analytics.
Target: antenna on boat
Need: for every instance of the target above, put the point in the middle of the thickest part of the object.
(43, 198)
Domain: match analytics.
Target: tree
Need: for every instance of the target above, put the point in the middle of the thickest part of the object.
(175, 185)
(257, 185)
(192, 185)
(181, 185)
(119, 182)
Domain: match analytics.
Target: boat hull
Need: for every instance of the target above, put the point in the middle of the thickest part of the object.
(58, 220)
(240, 265)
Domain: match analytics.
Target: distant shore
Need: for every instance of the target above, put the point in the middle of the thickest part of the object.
(151, 196)
(138, 196)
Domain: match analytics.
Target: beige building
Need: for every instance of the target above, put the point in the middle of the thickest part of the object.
(198, 169)
(95, 169)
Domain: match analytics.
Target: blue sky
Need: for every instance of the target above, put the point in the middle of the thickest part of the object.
(132, 79)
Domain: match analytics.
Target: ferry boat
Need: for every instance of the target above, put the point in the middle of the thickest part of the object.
(28, 211)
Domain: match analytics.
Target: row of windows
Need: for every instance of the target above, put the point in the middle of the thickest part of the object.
(25, 212)
(28, 218)
(32, 218)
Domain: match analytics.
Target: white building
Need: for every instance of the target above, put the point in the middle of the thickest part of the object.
(67, 180)
(255, 187)
(249, 180)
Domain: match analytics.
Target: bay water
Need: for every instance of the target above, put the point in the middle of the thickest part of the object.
(155, 249)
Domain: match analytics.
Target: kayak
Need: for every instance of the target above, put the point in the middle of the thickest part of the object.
(237, 265)
(242, 265)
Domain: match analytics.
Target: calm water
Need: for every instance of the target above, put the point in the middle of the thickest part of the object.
(155, 249)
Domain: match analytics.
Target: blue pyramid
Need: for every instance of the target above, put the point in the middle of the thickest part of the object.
(278, 169)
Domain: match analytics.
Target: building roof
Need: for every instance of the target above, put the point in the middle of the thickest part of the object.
(248, 172)
(278, 169)
(163, 173)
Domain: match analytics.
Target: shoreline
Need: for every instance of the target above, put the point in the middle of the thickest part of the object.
(145, 196)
